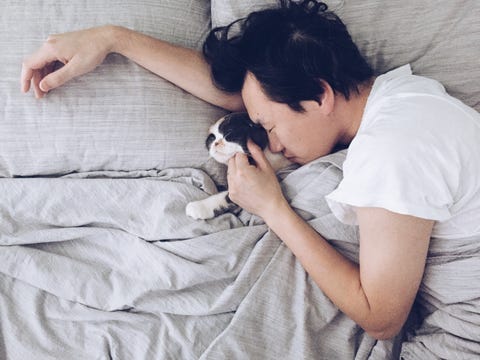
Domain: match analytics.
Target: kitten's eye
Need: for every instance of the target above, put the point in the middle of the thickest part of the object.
(270, 130)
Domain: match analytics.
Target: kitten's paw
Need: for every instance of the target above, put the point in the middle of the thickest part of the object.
(199, 210)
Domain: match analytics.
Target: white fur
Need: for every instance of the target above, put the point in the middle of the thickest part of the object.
(221, 150)
(204, 209)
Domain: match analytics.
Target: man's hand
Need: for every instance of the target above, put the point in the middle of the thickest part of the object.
(254, 187)
(79, 51)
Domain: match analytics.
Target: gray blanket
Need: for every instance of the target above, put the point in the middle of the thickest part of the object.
(106, 265)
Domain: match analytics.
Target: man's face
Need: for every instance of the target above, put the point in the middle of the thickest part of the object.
(301, 137)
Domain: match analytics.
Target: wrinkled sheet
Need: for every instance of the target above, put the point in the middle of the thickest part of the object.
(106, 265)
(448, 303)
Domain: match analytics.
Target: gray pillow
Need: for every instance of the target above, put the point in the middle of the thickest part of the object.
(120, 116)
(440, 39)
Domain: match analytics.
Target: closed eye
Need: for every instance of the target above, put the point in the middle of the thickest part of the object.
(260, 124)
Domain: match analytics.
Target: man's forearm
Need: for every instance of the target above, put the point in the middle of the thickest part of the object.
(338, 277)
(184, 67)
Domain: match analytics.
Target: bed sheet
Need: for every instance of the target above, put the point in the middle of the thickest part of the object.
(106, 265)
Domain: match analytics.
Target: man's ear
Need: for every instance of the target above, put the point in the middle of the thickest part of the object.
(326, 100)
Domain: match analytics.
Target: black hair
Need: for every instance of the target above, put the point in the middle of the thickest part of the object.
(288, 49)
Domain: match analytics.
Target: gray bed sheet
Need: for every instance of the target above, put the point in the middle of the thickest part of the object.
(106, 265)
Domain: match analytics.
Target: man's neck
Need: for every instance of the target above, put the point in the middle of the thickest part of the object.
(350, 112)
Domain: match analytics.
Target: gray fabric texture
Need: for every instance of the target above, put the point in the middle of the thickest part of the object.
(106, 264)
(118, 117)
(448, 303)
(438, 38)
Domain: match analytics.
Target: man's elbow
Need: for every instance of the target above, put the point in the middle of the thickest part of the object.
(383, 334)
(385, 331)
(386, 327)
(232, 103)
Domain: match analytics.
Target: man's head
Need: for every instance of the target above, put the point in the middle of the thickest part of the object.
(292, 50)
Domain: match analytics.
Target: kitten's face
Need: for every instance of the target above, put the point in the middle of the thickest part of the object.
(229, 135)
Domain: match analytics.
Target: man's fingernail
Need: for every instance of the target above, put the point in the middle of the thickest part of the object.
(44, 87)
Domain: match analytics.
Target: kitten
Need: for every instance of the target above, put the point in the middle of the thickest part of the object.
(226, 137)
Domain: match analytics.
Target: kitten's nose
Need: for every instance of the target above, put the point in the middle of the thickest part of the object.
(219, 142)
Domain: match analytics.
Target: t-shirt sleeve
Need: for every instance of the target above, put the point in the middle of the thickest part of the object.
(402, 174)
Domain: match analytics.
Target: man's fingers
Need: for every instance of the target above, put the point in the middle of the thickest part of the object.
(26, 79)
(37, 77)
(58, 77)
(37, 61)
(241, 160)
(257, 154)
(231, 165)
(236, 163)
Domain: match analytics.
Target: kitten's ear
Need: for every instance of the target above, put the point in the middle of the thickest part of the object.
(210, 139)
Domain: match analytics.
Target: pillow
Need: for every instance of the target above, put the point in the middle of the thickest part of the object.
(118, 117)
(439, 41)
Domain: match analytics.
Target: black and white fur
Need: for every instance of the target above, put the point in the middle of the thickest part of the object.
(227, 137)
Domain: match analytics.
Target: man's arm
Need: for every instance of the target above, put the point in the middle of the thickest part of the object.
(184, 67)
(379, 292)
(81, 51)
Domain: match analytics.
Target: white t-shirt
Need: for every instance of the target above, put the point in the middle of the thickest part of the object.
(417, 152)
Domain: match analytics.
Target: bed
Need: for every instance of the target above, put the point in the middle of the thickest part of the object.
(97, 257)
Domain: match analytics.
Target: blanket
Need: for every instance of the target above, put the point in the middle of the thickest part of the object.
(106, 265)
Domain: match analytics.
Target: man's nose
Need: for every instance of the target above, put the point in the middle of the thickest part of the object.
(274, 145)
